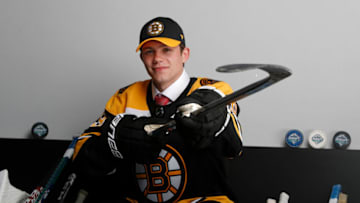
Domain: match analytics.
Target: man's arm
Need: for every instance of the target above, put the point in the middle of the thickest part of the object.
(218, 126)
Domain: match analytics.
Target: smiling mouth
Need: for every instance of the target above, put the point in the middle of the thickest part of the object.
(160, 68)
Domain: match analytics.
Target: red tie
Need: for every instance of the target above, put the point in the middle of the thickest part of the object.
(161, 100)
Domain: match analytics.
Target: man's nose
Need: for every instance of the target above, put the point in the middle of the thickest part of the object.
(157, 57)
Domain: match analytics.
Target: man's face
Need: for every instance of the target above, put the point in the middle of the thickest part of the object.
(163, 63)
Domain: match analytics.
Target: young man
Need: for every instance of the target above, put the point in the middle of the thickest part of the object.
(185, 164)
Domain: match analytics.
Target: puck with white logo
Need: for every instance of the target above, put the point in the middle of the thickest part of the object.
(341, 140)
(317, 139)
(294, 138)
(39, 130)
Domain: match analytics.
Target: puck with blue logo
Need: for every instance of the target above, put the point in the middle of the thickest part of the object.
(39, 130)
(341, 140)
(317, 139)
(294, 138)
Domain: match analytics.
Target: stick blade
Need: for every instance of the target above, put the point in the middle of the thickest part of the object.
(276, 71)
(232, 68)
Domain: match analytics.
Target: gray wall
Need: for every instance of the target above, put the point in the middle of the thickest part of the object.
(60, 61)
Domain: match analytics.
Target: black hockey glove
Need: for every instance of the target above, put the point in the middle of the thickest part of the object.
(127, 138)
(200, 129)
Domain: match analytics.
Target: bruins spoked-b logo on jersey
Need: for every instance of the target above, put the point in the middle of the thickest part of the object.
(165, 179)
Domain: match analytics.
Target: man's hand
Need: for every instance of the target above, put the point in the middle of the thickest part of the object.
(200, 129)
(127, 138)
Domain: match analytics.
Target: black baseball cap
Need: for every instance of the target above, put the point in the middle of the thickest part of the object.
(162, 29)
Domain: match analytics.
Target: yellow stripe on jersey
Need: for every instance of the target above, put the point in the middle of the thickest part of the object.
(236, 125)
(220, 85)
(82, 139)
(221, 199)
(131, 200)
(134, 96)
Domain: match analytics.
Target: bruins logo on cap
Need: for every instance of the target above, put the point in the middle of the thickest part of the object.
(155, 28)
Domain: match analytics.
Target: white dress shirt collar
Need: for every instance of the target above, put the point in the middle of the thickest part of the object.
(175, 89)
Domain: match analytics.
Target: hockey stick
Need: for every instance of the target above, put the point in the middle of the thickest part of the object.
(41, 193)
(276, 73)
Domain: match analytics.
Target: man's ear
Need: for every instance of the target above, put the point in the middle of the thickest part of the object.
(185, 54)
(140, 55)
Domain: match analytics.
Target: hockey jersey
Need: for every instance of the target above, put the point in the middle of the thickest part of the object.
(180, 172)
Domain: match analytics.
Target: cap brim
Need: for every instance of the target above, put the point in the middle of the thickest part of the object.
(167, 41)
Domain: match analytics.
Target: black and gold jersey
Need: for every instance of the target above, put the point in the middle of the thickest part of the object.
(180, 172)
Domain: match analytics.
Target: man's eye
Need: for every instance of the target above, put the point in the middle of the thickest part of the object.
(147, 52)
(166, 49)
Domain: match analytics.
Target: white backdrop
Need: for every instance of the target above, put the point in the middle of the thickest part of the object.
(60, 61)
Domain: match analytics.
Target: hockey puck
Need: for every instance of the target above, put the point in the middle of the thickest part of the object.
(317, 139)
(341, 140)
(294, 138)
(39, 130)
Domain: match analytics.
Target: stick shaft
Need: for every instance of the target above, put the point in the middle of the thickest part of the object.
(276, 73)
(54, 176)
(235, 96)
